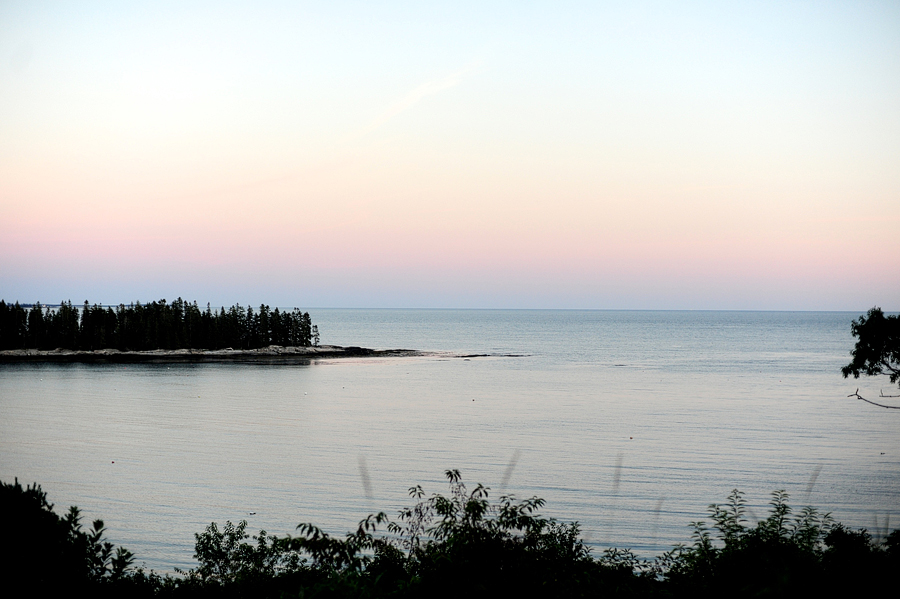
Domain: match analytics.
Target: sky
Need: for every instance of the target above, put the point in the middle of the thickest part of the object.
(584, 155)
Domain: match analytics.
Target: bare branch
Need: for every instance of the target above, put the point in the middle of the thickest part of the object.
(858, 396)
(883, 395)
(888, 366)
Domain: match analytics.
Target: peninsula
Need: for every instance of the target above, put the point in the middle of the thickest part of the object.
(272, 354)
(162, 332)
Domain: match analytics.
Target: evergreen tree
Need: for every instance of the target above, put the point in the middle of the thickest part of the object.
(156, 325)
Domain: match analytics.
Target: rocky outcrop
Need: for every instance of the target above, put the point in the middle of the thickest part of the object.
(273, 354)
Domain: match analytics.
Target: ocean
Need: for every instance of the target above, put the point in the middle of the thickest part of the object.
(628, 422)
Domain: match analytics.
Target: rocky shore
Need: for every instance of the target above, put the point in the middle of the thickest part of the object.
(273, 354)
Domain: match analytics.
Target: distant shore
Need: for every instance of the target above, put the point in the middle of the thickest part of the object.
(273, 354)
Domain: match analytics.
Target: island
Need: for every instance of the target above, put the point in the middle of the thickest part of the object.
(272, 354)
(162, 332)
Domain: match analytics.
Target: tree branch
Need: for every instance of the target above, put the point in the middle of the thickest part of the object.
(887, 365)
(883, 395)
(858, 396)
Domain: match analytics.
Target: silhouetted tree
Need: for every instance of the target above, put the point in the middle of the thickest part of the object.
(36, 327)
(47, 553)
(156, 325)
(13, 326)
(877, 349)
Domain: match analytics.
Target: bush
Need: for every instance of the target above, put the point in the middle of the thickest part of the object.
(783, 555)
(46, 552)
(458, 544)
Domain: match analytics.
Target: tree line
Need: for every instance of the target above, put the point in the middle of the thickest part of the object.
(156, 325)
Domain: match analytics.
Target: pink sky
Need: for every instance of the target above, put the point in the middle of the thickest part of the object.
(696, 156)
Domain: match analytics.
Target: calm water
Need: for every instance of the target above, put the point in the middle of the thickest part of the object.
(629, 422)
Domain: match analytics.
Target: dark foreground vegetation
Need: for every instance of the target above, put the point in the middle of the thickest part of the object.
(157, 325)
(459, 545)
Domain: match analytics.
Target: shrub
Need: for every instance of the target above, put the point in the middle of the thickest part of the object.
(783, 555)
(48, 552)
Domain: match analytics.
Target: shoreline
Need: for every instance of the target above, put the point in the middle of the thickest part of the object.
(273, 354)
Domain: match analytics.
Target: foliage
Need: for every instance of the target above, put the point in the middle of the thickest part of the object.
(157, 325)
(225, 558)
(783, 555)
(489, 548)
(53, 552)
(877, 349)
(502, 547)
(461, 544)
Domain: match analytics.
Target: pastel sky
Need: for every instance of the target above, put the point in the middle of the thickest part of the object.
(696, 155)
